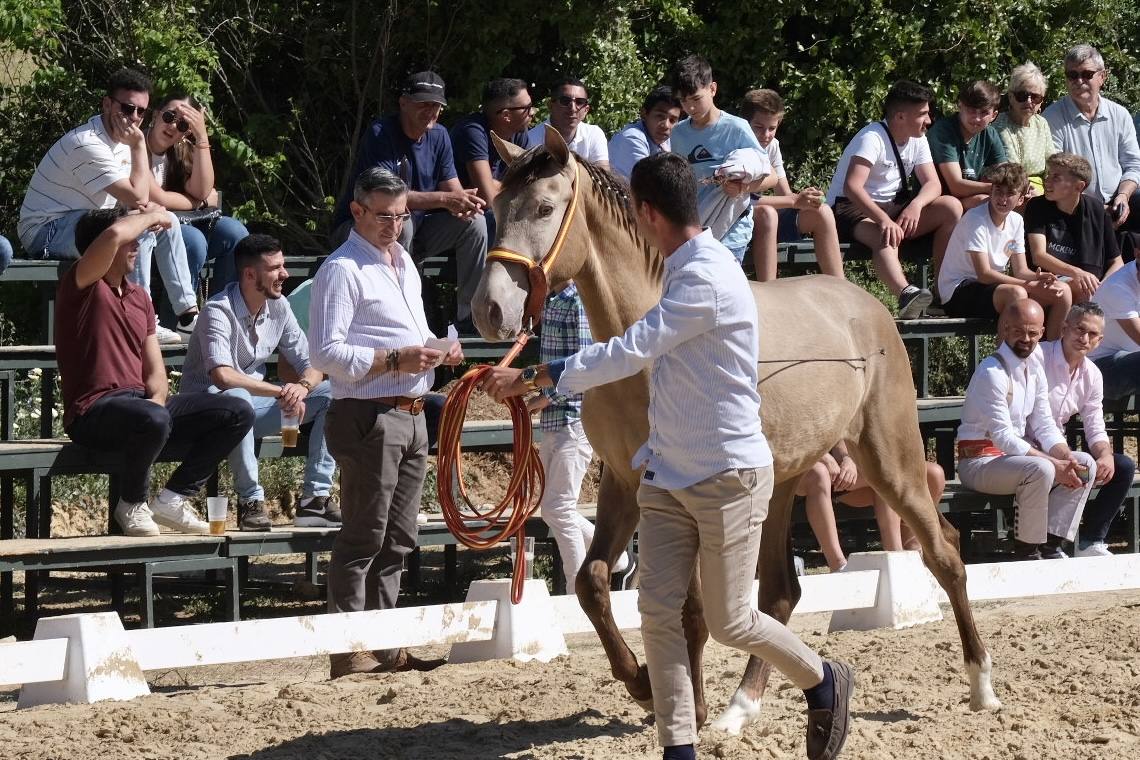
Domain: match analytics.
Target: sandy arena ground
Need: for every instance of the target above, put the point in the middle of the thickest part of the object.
(1067, 668)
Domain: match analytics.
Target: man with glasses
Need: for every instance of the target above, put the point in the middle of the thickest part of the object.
(1100, 130)
(102, 164)
(412, 145)
(569, 104)
(507, 108)
(368, 333)
(963, 145)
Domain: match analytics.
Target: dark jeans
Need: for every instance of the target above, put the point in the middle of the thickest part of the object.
(198, 429)
(1101, 511)
(1121, 373)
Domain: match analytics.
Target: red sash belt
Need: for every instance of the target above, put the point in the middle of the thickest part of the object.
(982, 447)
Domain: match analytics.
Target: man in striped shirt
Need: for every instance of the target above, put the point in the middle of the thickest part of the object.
(368, 333)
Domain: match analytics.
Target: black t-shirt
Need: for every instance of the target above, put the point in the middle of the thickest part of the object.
(1083, 239)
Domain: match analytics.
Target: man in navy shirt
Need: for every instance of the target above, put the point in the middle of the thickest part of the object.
(507, 108)
(413, 146)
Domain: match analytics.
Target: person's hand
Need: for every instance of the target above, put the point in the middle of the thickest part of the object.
(417, 359)
(125, 131)
(1119, 210)
(808, 199)
(291, 396)
(503, 382)
(1065, 473)
(197, 121)
(454, 355)
(892, 234)
(157, 214)
(909, 219)
(1105, 469)
(1084, 285)
(159, 400)
(734, 188)
(463, 203)
(831, 465)
(848, 474)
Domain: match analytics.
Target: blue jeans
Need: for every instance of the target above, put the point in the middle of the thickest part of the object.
(5, 254)
(168, 247)
(218, 247)
(319, 464)
(1121, 373)
(55, 239)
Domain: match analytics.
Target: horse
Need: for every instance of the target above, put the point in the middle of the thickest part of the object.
(833, 368)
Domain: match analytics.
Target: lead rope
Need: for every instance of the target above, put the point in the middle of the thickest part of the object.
(507, 518)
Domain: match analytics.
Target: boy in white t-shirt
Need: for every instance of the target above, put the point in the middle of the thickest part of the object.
(1118, 355)
(569, 104)
(872, 202)
(973, 282)
(785, 216)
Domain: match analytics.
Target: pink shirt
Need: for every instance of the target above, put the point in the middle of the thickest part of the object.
(1079, 391)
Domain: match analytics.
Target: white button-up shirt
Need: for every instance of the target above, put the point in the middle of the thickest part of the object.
(702, 341)
(361, 305)
(1007, 396)
(1074, 391)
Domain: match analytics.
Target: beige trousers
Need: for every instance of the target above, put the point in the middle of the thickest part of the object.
(717, 521)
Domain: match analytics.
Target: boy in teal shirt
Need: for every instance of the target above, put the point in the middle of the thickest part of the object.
(963, 144)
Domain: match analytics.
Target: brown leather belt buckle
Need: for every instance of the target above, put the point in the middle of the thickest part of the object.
(416, 406)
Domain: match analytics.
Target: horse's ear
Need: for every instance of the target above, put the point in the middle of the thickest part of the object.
(556, 146)
(507, 151)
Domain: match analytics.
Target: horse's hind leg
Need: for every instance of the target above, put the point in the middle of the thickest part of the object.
(779, 593)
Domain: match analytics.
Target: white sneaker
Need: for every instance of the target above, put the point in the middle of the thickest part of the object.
(1097, 549)
(164, 335)
(135, 519)
(185, 331)
(173, 511)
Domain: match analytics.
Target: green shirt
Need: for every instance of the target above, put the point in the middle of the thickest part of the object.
(947, 146)
(1029, 145)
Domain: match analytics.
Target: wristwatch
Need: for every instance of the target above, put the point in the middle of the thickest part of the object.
(308, 386)
(529, 375)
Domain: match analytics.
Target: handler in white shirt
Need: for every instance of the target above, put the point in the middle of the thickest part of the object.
(1006, 402)
(367, 332)
(708, 470)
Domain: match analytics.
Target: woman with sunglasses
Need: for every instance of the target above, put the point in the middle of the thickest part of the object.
(1023, 130)
(179, 148)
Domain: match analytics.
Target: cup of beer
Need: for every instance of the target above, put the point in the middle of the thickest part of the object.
(290, 429)
(216, 508)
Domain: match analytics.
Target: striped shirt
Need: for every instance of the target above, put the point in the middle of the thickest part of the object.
(74, 176)
(359, 306)
(565, 331)
(701, 343)
(227, 335)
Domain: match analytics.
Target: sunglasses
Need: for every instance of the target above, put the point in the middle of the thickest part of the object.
(1073, 76)
(568, 102)
(130, 109)
(169, 117)
(1021, 96)
(518, 109)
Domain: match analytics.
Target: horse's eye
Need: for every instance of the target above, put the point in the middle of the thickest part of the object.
(545, 210)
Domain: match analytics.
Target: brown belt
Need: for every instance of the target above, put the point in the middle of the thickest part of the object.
(404, 403)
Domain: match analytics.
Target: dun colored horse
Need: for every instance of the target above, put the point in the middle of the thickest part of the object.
(855, 386)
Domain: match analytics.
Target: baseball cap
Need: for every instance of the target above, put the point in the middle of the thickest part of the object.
(425, 87)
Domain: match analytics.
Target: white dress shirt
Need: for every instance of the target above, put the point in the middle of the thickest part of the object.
(1074, 391)
(361, 305)
(1008, 395)
(702, 341)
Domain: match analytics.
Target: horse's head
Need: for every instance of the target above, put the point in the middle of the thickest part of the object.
(536, 245)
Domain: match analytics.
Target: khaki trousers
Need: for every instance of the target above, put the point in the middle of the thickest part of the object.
(717, 520)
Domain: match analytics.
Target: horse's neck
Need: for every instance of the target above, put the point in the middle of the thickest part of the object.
(621, 279)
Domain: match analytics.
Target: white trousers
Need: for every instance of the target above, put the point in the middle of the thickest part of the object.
(1039, 506)
(566, 455)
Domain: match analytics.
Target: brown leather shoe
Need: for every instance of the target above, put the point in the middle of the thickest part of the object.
(405, 661)
(353, 662)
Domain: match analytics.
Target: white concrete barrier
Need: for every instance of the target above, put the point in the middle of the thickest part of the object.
(522, 631)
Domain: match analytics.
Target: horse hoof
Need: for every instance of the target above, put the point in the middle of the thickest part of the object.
(982, 696)
(988, 703)
(742, 710)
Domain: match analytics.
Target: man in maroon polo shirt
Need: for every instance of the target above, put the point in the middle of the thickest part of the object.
(114, 379)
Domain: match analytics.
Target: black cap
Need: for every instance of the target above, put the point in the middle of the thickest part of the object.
(425, 87)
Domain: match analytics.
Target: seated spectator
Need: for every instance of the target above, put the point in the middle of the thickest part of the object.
(712, 141)
(114, 379)
(1101, 131)
(963, 144)
(973, 280)
(240, 328)
(785, 216)
(1068, 232)
(569, 105)
(648, 135)
(184, 180)
(101, 164)
(445, 217)
(507, 108)
(1075, 386)
(1118, 355)
(1022, 129)
(835, 475)
(5, 253)
(871, 196)
(1009, 442)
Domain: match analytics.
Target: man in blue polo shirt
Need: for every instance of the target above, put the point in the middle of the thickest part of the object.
(647, 136)
(412, 145)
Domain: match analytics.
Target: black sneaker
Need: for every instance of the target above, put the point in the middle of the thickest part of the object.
(912, 301)
(320, 512)
(252, 515)
(1025, 551)
(827, 729)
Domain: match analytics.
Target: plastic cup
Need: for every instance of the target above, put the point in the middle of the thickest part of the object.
(290, 429)
(216, 509)
(528, 555)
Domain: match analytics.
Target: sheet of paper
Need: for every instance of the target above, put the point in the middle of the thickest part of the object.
(444, 344)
